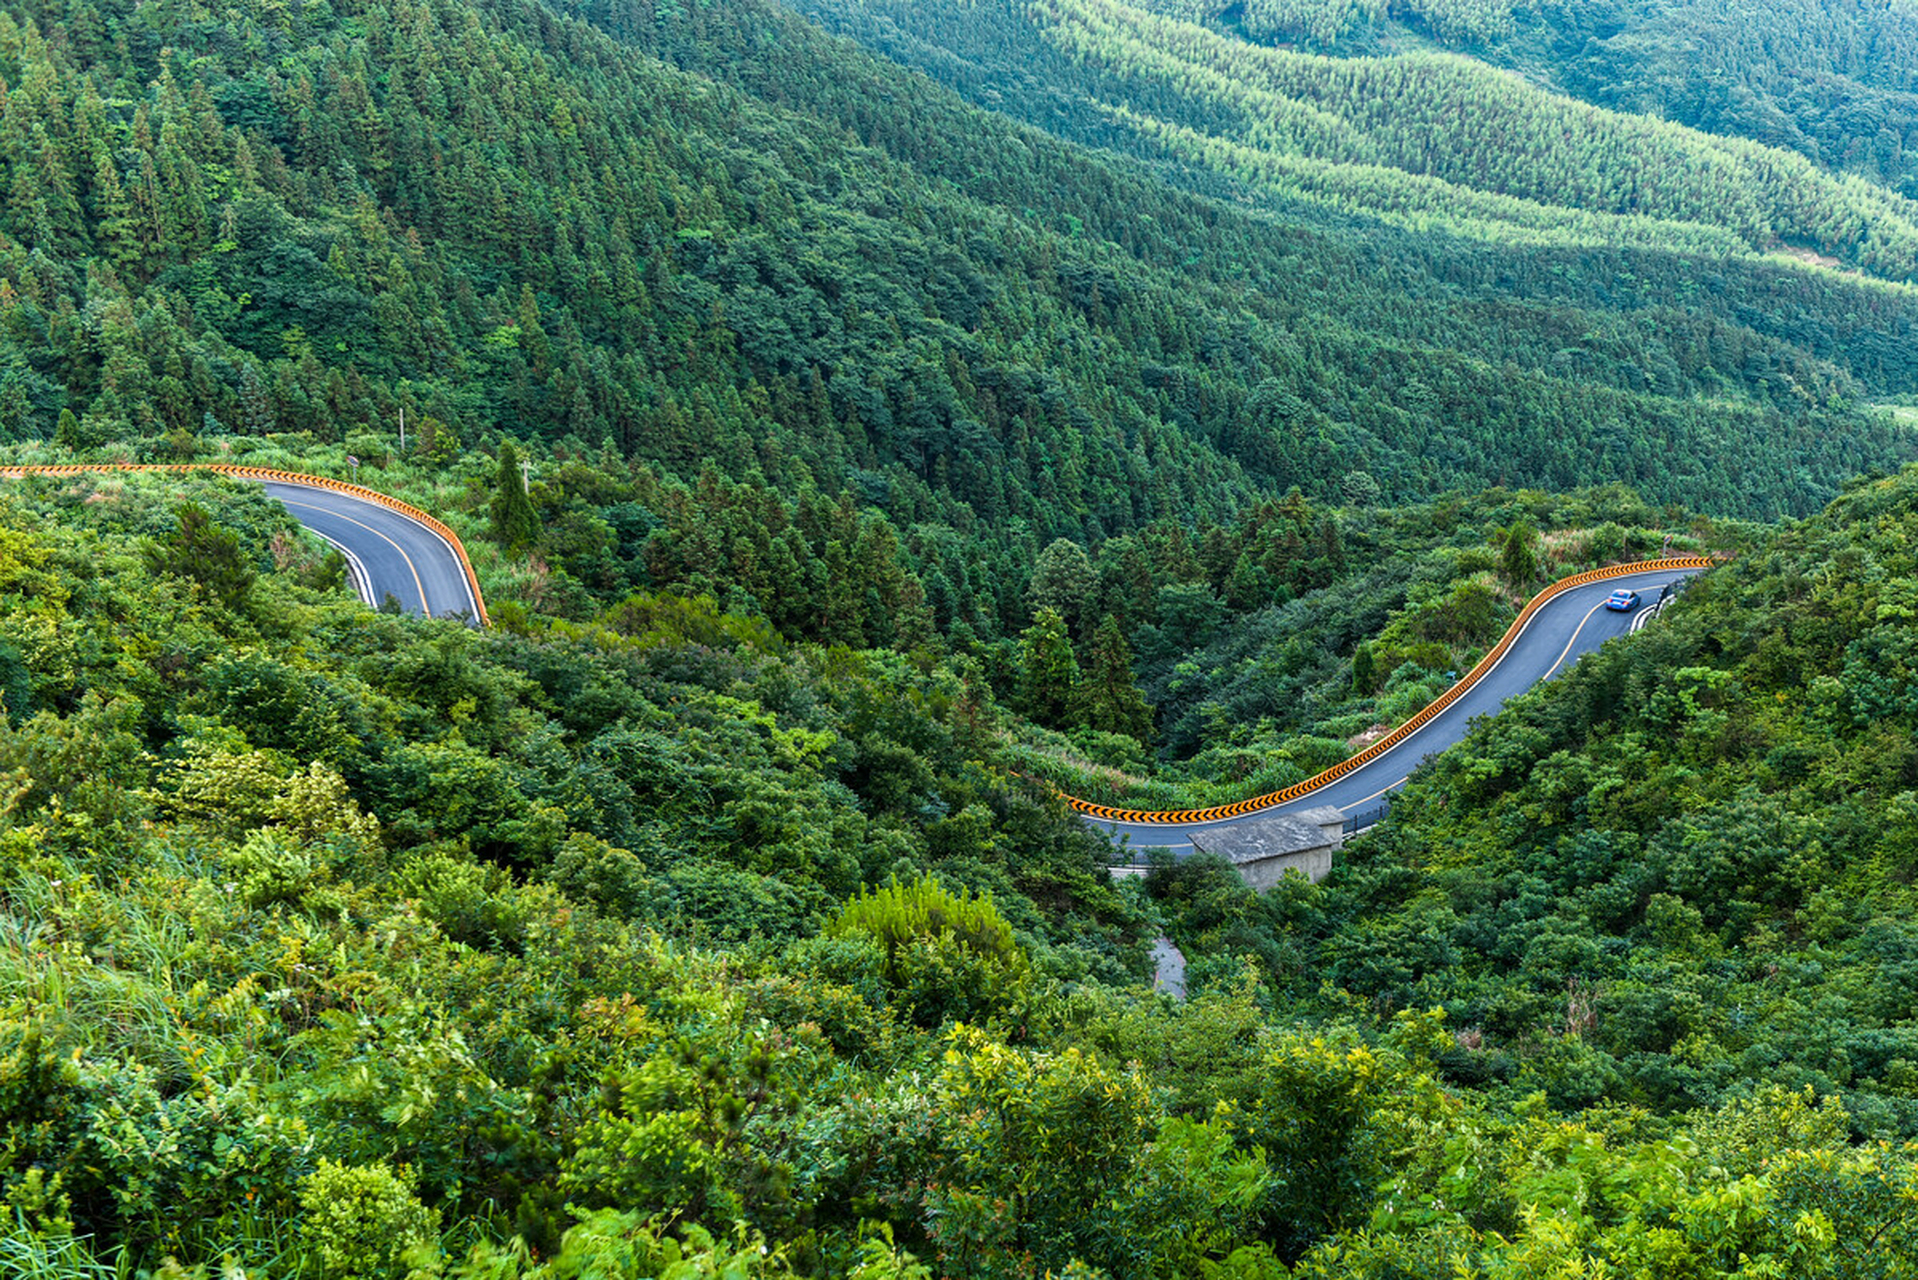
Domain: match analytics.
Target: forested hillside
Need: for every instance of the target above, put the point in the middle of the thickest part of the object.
(1494, 149)
(1831, 79)
(778, 255)
(1673, 879)
(1834, 79)
(349, 945)
(876, 351)
(1453, 151)
(1128, 403)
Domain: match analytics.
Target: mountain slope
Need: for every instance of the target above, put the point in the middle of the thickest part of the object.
(1439, 160)
(1682, 867)
(1365, 124)
(1831, 79)
(818, 273)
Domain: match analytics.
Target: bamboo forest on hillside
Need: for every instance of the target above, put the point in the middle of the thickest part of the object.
(852, 433)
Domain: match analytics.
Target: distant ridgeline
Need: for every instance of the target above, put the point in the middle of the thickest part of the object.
(1518, 227)
(1837, 82)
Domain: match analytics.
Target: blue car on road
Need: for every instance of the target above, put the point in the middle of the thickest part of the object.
(1621, 600)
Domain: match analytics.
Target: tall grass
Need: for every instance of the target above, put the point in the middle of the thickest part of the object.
(27, 1256)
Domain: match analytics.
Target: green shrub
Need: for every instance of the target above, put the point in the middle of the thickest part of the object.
(610, 1245)
(726, 905)
(363, 1220)
(38, 1100)
(268, 870)
(949, 957)
(473, 903)
(590, 870)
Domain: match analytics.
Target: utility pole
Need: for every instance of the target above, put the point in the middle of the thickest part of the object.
(526, 474)
(402, 431)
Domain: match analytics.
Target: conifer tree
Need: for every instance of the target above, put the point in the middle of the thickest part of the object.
(1048, 668)
(1062, 578)
(515, 524)
(1518, 557)
(204, 552)
(113, 227)
(1108, 698)
(1364, 668)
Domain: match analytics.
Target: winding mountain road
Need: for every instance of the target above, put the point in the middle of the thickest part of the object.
(1573, 621)
(398, 551)
(387, 551)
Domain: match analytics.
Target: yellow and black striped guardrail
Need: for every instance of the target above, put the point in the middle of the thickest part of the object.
(1187, 817)
(406, 509)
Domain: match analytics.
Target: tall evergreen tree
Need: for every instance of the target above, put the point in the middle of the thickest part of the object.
(1108, 698)
(1365, 674)
(1518, 557)
(1062, 579)
(1048, 668)
(515, 524)
(204, 552)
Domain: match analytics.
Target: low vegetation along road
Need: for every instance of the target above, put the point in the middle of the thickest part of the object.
(1572, 622)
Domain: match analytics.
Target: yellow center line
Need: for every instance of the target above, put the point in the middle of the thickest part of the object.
(1553, 669)
(417, 585)
(1549, 672)
(1347, 808)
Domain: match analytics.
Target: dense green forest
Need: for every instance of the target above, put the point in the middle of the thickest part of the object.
(1440, 136)
(1484, 181)
(1432, 140)
(1833, 80)
(341, 944)
(875, 355)
(821, 275)
(1153, 400)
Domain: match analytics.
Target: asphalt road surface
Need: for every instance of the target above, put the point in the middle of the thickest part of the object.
(1568, 626)
(386, 553)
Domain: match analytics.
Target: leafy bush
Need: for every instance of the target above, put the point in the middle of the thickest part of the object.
(613, 1245)
(948, 957)
(363, 1221)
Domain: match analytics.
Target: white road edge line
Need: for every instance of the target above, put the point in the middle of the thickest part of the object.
(1347, 808)
(466, 584)
(1549, 673)
(362, 580)
(1508, 653)
(425, 607)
